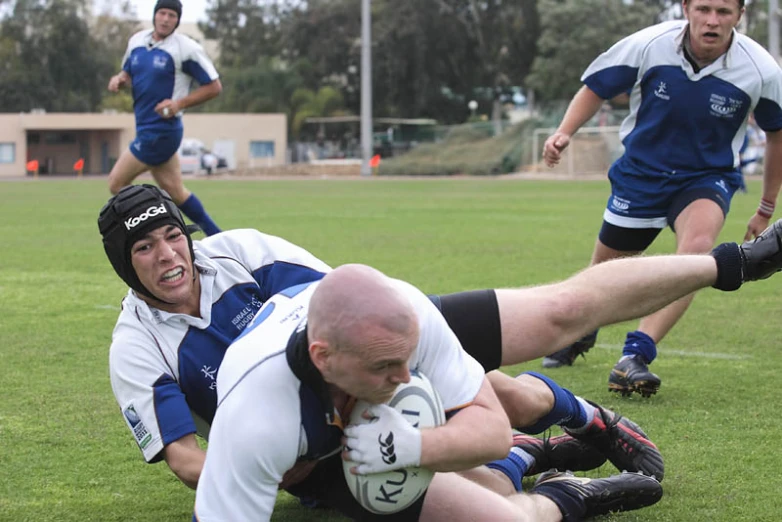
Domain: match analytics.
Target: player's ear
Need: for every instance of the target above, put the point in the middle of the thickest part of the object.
(319, 354)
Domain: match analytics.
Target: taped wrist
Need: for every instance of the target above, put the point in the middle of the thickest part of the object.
(729, 267)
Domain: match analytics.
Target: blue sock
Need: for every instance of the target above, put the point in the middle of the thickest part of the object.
(638, 343)
(194, 210)
(567, 411)
(514, 466)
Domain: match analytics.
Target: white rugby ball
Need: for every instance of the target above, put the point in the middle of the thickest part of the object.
(393, 491)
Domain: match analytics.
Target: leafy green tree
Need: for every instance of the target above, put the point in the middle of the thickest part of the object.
(267, 86)
(558, 66)
(327, 101)
(57, 64)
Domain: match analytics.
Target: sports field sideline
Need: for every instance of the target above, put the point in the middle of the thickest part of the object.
(66, 455)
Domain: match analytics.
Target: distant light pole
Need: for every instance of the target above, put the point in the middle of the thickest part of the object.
(473, 106)
(773, 28)
(366, 87)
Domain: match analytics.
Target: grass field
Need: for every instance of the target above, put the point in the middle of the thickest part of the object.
(66, 455)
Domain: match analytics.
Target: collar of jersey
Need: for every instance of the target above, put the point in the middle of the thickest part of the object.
(298, 355)
(726, 60)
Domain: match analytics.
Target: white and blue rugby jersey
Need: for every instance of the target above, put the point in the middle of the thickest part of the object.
(275, 409)
(682, 122)
(162, 70)
(163, 366)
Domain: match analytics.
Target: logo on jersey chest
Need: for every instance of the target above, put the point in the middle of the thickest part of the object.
(662, 91)
(723, 107)
(159, 62)
(245, 316)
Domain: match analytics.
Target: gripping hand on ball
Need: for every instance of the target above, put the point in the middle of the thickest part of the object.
(386, 443)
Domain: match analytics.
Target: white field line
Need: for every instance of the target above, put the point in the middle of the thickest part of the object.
(684, 353)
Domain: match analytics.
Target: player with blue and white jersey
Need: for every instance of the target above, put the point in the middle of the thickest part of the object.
(164, 359)
(180, 316)
(693, 85)
(288, 382)
(167, 72)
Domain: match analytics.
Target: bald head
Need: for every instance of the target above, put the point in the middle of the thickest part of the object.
(354, 304)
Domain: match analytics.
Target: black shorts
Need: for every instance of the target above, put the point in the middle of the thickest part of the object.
(327, 485)
(475, 319)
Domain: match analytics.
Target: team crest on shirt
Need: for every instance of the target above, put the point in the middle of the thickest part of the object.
(723, 107)
(143, 436)
(159, 61)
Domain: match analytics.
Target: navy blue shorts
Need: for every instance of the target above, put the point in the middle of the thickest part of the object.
(154, 148)
(654, 202)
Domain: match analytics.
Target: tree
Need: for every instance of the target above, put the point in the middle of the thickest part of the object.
(305, 103)
(57, 65)
(558, 66)
(246, 29)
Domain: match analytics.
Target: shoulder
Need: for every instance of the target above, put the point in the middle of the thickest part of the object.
(233, 242)
(757, 54)
(131, 337)
(185, 41)
(139, 38)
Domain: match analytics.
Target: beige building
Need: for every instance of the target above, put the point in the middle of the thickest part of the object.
(58, 140)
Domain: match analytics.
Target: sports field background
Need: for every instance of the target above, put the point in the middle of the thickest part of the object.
(66, 455)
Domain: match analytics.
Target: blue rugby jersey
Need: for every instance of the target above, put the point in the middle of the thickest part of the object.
(682, 122)
(163, 366)
(163, 69)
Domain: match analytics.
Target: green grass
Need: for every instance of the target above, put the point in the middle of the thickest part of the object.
(65, 454)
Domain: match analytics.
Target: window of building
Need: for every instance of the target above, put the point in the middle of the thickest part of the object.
(7, 152)
(60, 138)
(261, 149)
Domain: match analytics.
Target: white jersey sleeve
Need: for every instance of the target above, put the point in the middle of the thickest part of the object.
(195, 62)
(454, 373)
(145, 384)
(768, 110)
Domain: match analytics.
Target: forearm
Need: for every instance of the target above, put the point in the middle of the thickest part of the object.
(186, 459)
(582, 108)
(200, 95)
(772, 166)
(474, 436)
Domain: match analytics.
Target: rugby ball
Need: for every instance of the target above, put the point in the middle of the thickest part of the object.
(393, 491)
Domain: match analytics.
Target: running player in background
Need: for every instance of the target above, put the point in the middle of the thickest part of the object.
(160, 66)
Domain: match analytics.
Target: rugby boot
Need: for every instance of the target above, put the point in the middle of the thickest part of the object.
(631, 374)
(563, 453)
(581, 497)
(762, 256)
(623, 443)
(567, 355)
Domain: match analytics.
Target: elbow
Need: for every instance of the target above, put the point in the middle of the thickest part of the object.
(502, 439)
(188, 477)
(217, 88)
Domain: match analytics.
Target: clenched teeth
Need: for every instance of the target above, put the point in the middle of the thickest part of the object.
(173, 274)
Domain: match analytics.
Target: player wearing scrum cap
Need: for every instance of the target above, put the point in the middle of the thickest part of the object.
(180, 316)
(160, 65)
